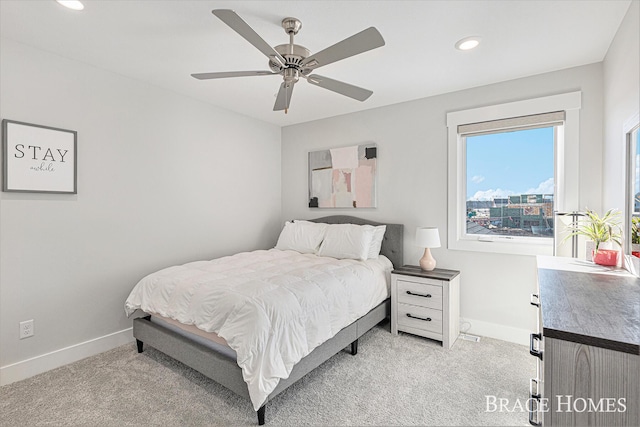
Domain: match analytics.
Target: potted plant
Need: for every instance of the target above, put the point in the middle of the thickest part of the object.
(600, 230)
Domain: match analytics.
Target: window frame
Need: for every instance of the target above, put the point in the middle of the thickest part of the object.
(566, 178)
(630, 126)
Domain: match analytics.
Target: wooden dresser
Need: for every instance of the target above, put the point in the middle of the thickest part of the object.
(587, 345)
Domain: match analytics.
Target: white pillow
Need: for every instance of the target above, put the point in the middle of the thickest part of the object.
(376, 242)
(301, 236)
(347, 241)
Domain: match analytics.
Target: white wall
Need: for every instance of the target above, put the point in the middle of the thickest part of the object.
(621, 102)
(162, 179)
(412, 184)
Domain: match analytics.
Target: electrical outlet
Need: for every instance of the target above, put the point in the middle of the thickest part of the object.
(468, 337)
(26, 329)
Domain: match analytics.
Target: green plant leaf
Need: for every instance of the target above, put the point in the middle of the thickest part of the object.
(597, 228)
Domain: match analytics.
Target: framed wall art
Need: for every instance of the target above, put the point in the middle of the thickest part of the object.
(343, 177)
(38, 159)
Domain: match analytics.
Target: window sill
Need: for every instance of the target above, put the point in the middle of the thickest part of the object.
(502, 247)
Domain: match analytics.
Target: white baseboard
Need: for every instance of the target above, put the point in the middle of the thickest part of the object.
(494, 330)
(45, 362)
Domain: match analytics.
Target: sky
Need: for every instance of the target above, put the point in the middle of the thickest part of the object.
(509, 163)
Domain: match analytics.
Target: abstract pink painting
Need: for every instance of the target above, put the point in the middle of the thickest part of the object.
(343, 177)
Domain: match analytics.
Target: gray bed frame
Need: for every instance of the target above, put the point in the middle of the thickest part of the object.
(226, 372)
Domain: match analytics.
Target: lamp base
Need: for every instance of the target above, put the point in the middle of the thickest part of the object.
(427, 262)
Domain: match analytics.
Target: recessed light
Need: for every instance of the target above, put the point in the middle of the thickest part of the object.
(468, 43)
(71, 4)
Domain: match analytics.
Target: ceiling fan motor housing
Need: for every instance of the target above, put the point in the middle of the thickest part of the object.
(293, 55)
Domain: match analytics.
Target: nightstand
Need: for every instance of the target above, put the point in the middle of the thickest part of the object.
(426, 303)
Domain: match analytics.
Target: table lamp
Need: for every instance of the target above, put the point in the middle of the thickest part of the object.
(427, 237)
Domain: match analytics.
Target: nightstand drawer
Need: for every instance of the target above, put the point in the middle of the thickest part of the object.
(423, 318)
(420, 294)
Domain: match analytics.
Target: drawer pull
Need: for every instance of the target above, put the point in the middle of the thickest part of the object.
(419, 295)
(531, 411)
(535, 395)
(535, 300)
(532, 348)
(426, 319)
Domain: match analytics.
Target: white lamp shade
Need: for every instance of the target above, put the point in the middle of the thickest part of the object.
(427, 237)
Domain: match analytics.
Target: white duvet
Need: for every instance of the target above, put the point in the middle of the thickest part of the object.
(273, 307)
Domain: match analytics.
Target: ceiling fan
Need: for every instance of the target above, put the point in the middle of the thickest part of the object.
(293, 61)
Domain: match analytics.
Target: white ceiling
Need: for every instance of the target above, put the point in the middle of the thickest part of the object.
(162, 42)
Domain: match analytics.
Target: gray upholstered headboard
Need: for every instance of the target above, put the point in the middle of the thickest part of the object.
(392, 244)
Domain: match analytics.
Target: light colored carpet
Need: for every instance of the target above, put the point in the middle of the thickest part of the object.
(394, 380)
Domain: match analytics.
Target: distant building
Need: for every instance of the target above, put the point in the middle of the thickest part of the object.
(480, 204)
(475, 228)
(522, 214)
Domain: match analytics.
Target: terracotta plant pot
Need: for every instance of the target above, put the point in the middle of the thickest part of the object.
(605, 257)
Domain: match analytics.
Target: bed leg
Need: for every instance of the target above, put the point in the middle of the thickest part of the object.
(139, 344)
(354, 348)
(260, 413)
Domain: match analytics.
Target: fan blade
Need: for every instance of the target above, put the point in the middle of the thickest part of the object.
(342, 88)
(236, 23)
(284, 97)
(354, 45)
(225, 74)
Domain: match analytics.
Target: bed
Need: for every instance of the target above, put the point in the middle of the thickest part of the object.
(175, 339)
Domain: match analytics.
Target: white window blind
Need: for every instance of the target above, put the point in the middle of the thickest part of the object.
(524, 122)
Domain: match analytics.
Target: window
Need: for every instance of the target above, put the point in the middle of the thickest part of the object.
(631, 131)
(510, 168)
(634, 137)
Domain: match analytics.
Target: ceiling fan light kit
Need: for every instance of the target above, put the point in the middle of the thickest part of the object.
(292, 61)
